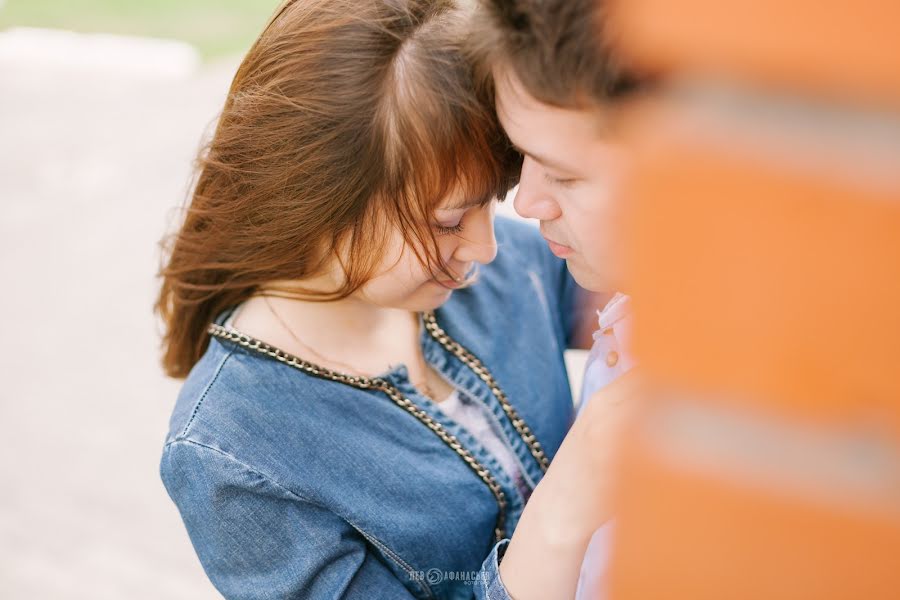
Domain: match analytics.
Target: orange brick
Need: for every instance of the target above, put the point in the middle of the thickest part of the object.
(838, 48)
(685, 535)
(752, 276)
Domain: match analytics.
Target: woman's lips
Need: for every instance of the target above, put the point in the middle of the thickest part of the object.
(559, 249)
(454, 284)
(449, 283)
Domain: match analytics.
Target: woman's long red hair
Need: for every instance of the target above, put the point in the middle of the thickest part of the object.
(345, 119)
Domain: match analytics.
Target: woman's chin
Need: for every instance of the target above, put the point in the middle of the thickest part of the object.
(432, 296)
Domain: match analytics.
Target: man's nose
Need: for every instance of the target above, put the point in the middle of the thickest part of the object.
(533, 198)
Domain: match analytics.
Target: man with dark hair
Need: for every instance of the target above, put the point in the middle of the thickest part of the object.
(556, 84)
(555, 48)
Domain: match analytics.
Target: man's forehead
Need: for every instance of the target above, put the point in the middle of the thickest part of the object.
(511, 92)
(517, 108)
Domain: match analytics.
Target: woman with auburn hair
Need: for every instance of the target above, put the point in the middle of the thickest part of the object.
(360, 418)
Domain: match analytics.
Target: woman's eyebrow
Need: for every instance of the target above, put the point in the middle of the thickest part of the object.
(463, 204)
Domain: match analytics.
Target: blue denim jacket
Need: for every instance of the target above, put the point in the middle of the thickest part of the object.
(294, 486)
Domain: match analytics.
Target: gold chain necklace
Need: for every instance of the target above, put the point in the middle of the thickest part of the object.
(382, 385)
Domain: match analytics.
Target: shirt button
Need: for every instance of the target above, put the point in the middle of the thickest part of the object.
(612, 357)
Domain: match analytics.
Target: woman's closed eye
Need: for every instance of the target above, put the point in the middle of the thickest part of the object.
(448, 229)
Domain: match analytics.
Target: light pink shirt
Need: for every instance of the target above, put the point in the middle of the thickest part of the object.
(609, 359)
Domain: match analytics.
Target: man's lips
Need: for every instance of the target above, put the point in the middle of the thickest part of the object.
(558, 249)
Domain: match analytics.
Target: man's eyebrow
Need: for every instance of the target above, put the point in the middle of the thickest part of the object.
(541, 159)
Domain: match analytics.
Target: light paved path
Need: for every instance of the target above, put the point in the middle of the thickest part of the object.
(89, 171)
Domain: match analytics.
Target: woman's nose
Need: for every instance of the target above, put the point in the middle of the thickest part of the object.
(477, 242)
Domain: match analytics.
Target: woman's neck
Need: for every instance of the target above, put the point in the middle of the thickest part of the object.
(338, 334)
(346, 321)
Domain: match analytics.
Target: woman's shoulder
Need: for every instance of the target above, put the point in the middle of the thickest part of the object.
(201, 378)
(259, 412)
(213, 381)
(231, 390)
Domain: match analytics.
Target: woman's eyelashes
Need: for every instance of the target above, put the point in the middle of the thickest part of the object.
(447, 230)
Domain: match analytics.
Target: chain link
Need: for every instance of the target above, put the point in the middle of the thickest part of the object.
(382, 385)
(471, 361)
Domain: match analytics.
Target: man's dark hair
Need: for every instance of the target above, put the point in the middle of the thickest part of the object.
(560, 50)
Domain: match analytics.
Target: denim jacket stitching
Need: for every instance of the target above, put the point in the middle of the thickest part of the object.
(209, 385)
(368, 536)
(535, 280)
(410, 572)
(506, 437)
(474, 388)
(517, 501)
(530, 469)
(541, 293)
(509, 439)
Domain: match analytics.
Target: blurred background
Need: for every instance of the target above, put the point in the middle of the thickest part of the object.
(765, 272)
(215, 28)
(766, 276)
(103, 105)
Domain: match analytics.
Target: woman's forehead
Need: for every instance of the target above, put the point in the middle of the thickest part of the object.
(459, 200)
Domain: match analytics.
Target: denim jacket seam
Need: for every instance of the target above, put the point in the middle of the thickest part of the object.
(371, 538)
(507, 437)
(473, 387)
(234, 459)
(538, 286)
(530, 467)
(494, 583)
(206, 389)
(483, 455)
(520, 261)
(511, 439)
(410, 572)
(542, 273)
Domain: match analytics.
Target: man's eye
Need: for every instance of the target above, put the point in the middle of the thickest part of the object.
(445, 230)
(565, 182)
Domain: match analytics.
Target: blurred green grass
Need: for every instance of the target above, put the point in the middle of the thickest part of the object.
(215, 27)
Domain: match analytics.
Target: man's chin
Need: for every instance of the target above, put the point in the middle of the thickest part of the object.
(588, 278)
